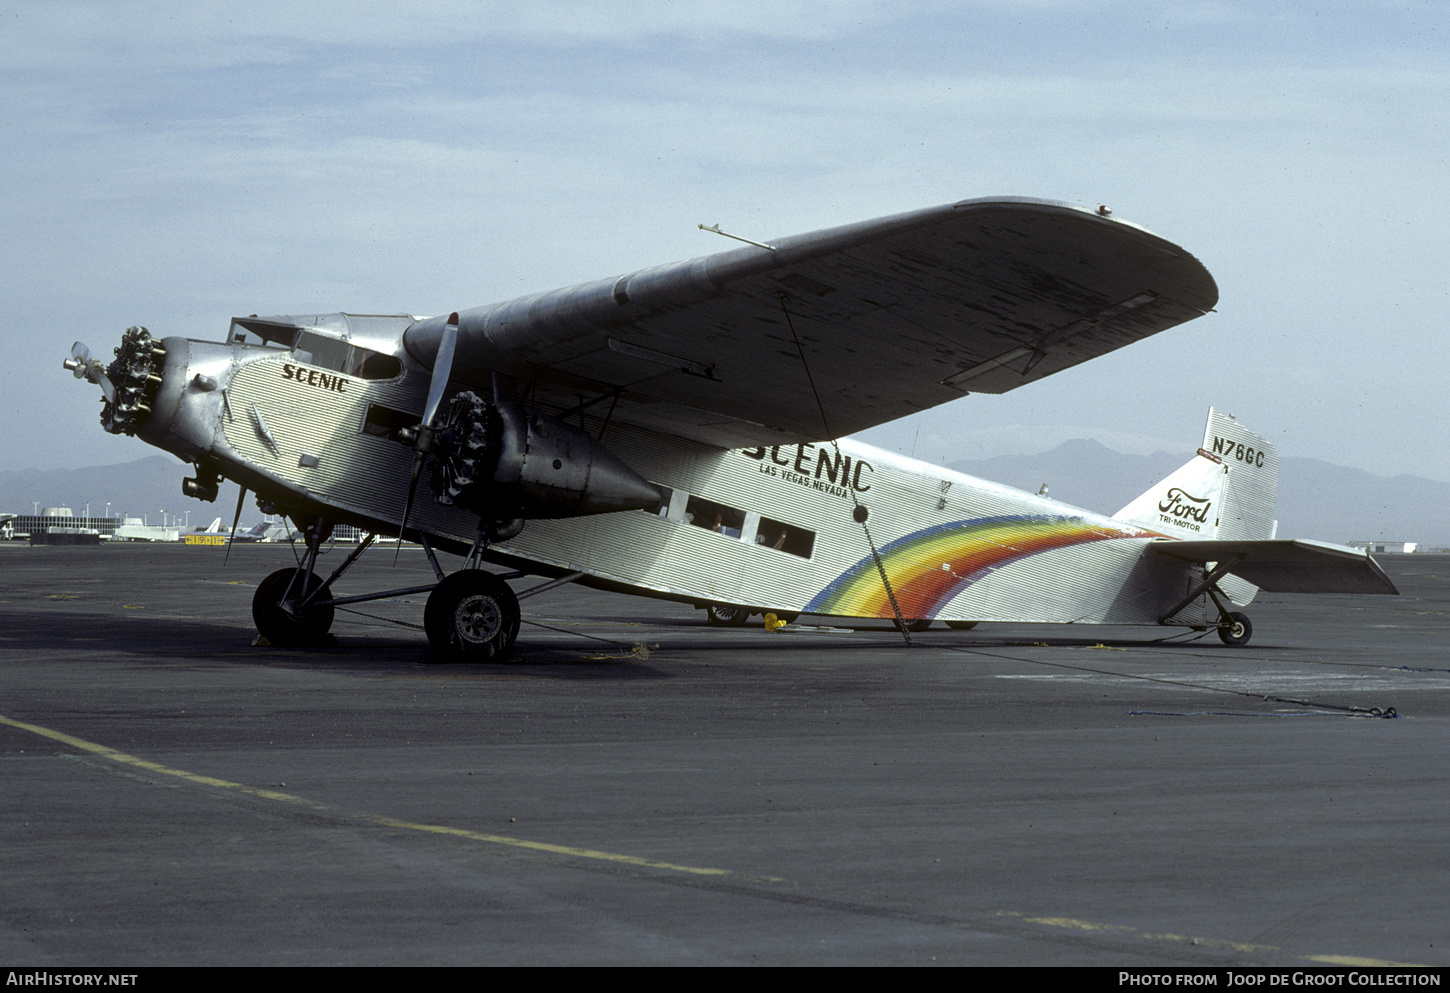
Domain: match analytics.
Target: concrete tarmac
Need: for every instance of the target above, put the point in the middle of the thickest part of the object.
(642, 789)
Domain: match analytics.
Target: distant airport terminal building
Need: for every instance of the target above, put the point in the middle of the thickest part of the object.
(1386, 547)
(61, 525)
(60, 520)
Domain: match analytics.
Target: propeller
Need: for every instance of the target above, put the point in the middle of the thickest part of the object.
(423, 442)
(84, 367)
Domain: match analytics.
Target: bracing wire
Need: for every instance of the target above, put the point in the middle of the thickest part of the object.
(858, 513)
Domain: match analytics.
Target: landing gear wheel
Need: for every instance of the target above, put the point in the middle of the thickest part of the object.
(471, 616)
(1235, 630)
(723, 616)
(912, 624)
(961, 625)
(279, 621)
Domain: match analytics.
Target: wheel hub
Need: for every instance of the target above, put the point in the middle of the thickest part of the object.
(478, 619)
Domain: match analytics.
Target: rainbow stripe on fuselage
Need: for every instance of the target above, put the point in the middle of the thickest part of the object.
(929, 567)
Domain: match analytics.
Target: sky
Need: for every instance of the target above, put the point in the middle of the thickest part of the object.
(176, 164)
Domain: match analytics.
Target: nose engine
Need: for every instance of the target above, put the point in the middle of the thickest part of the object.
(129, 384)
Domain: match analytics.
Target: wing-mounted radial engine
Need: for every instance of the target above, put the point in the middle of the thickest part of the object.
(507, 463)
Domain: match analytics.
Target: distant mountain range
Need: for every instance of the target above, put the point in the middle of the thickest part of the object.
(1316, 499)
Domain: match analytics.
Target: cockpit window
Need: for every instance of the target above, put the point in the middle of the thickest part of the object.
(258, 331)
(324, 351)
(339, 356)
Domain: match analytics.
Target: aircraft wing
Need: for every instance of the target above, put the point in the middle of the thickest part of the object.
(893, 315)
(1288, 566)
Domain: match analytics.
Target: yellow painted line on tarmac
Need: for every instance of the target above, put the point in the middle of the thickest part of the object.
(1220, 944)
(378, 819)
(585, 853)
(1066, 923)
(139, 763)
(1355, 960)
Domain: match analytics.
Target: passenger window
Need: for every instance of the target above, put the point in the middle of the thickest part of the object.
(385, 422)
(785, 538)
(714, 517)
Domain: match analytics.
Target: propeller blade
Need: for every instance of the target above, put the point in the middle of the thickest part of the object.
(104, 382)
(82, 366)
(408, 505)
(442, 369)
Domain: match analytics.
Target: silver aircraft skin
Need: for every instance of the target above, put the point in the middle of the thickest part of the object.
(670, 433)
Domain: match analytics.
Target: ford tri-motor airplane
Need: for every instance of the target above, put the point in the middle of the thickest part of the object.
(670, 432)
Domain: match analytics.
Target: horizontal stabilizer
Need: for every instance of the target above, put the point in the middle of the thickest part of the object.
(1288, 566)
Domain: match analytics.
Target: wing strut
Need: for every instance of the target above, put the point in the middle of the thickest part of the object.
(859, 513)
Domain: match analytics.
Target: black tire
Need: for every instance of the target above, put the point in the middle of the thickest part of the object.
(1235, 630)
(471, 616)
(912, 624)
(961, 625)
(724, 616)
(282, 628)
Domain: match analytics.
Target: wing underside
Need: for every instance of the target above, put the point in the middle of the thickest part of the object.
(828, 333)
(1288, 566)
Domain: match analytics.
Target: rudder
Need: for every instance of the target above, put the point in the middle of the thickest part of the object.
(1228, 490)
(1252, 472)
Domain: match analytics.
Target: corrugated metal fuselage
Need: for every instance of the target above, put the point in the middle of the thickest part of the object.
(770, 528)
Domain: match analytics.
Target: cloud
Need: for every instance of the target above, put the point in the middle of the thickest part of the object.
(174, 164)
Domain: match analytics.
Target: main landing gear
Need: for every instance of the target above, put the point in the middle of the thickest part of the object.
(471, 615)
(724, 615)
(1233, 627)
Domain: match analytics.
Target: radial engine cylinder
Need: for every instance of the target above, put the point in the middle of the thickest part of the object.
(504, 461)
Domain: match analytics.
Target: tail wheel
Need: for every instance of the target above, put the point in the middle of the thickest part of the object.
(472, 616)
(277, 613)
(961, 625)
(1235, 630)
(724, 616)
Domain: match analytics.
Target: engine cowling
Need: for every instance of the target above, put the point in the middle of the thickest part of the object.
(506, 461)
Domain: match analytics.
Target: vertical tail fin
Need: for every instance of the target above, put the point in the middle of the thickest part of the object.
(1227, 491)
(1253, 477)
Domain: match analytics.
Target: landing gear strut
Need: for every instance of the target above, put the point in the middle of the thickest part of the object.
(283, 613)
(471, 615)
(292, 607)
(1233, 627)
